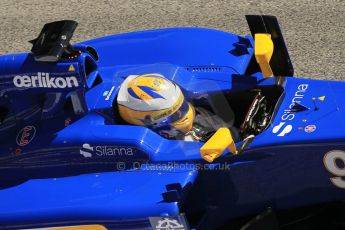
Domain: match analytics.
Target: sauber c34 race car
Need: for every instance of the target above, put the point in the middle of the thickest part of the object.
(69, 159)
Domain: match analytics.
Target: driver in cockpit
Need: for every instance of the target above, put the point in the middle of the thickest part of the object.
(153, 101)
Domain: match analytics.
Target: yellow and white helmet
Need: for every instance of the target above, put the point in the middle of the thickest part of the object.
(152, 100)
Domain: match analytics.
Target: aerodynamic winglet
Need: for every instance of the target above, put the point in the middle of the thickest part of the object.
(53, 42)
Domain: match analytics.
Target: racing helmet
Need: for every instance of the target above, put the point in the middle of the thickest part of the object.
(153, 101)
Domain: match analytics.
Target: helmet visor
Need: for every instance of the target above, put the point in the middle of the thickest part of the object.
(178, 115)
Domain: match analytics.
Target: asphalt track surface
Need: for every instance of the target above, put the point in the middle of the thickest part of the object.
(314, 30)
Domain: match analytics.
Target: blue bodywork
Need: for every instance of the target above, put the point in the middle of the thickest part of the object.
(68, 158)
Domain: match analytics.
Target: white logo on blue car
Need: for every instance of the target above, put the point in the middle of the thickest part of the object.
(105, 151)
(282, 128)
(282, 132)
(289, 114)
(86, 151)
(107, 94)
(334, 161)
(169, 224)
(44, 80)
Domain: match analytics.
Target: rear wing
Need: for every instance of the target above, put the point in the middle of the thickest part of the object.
(263, 24)
(52, 44)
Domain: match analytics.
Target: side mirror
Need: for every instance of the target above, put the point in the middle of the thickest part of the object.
(217, 144)
(263, 49)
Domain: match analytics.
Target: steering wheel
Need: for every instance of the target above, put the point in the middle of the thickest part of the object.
(256, 118)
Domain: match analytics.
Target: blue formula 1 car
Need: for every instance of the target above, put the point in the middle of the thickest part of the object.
(69, 159)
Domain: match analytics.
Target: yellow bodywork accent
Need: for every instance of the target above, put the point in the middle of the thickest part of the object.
(322, 98)
(216, 145)
(71, 68)
(80, 227)
(263, 50)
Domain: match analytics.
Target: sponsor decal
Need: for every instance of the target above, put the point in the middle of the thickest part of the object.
(107, 94)
(26, 135)
(310, 128)
(315, 99)
(71, 68)
(106, 151)
(322, 98)
(332, 163)
(289, 113)
(282, 129)
(86, 151)
(169, 223)
(44, 80)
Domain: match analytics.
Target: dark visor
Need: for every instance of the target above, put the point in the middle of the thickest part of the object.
(178, 115)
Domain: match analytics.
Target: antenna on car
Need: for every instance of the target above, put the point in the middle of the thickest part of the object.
(52, 44)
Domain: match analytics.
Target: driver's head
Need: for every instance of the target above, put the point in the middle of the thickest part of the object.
(152, 100)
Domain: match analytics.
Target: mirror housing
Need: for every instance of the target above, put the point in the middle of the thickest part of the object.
(217, 144)
(263, 49)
